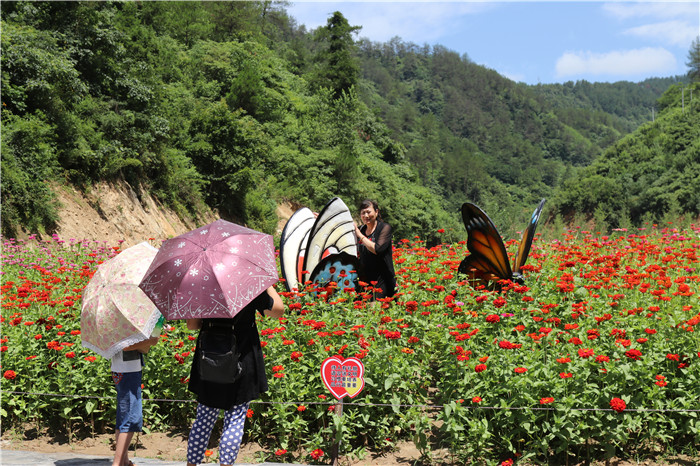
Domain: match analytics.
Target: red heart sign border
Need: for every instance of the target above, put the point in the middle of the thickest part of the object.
(340, 374)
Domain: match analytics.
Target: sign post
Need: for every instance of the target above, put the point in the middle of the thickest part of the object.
(342, 377)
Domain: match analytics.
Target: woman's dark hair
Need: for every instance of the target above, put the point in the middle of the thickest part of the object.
(367, 203)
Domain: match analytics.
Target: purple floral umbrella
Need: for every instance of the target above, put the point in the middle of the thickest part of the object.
(213, 271)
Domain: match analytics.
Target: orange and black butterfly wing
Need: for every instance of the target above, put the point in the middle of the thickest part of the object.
(488, 254)
(526, 241)
(477, 267)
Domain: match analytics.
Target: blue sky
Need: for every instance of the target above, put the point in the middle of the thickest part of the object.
(534, 42)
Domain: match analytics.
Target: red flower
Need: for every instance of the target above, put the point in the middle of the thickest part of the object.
(480, 367)
(618, 404)
(601, 358)
(493, 318)
(476, 399)
(546, 400)
(249, 413)
(296, 355)
(70, 355)
(301, 408)
(9, 374)
(673, 357)
(281, 452)
(90, 358)
(520, 370)
(585, 352)
(208, 453)
(634, 354)
(317, 454)
(565, 375)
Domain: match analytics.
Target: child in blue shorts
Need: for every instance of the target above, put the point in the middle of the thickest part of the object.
(126, 374)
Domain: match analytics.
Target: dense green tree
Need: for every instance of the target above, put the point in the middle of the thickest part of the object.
(339, 69)
(186, 22)
(693, 62)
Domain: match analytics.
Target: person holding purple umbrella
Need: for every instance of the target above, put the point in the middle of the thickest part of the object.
(216, 277)
(228, 371)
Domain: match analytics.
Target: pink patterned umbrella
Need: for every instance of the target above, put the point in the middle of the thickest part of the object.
(213, 271)
(115, 312)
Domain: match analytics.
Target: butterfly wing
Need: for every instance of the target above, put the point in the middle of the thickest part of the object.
(341, 268)
(488, 254)
(477, 268)
(526, 241)
(293, 245)
(332, 232)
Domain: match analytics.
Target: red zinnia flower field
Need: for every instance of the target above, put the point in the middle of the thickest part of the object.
(598, 354)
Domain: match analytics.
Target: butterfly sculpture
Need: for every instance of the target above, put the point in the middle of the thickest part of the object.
(488, 260)
(320, 248)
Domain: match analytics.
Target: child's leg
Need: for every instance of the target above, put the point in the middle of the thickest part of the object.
(230, 442)
(129, 413)
(121, 454)
(200, 433)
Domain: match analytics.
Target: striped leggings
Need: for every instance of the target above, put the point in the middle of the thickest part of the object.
(230, 443)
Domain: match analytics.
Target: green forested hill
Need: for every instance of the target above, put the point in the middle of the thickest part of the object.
(628, 104)
(650, 175)
(474, 134)
(231, 105)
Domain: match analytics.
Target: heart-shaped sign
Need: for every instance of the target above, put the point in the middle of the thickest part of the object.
(343, 376)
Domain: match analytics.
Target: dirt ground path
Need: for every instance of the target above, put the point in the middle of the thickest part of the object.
(173, 447)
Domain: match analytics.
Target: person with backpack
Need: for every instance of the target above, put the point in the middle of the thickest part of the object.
(228, 371)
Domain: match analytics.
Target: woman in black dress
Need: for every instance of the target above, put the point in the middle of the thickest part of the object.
(375, 250)
(220, 336)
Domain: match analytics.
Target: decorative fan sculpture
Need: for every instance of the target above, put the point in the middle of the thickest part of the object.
(320, 249)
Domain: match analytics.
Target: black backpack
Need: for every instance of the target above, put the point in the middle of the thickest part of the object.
(219, 359)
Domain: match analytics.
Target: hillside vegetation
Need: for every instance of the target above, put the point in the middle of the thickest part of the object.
(231, 106)
(650, 175)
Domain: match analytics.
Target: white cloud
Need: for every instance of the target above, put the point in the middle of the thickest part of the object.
(674, 32)
(419, 22)
(517, 77)
(657, 10)
(626, 63)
